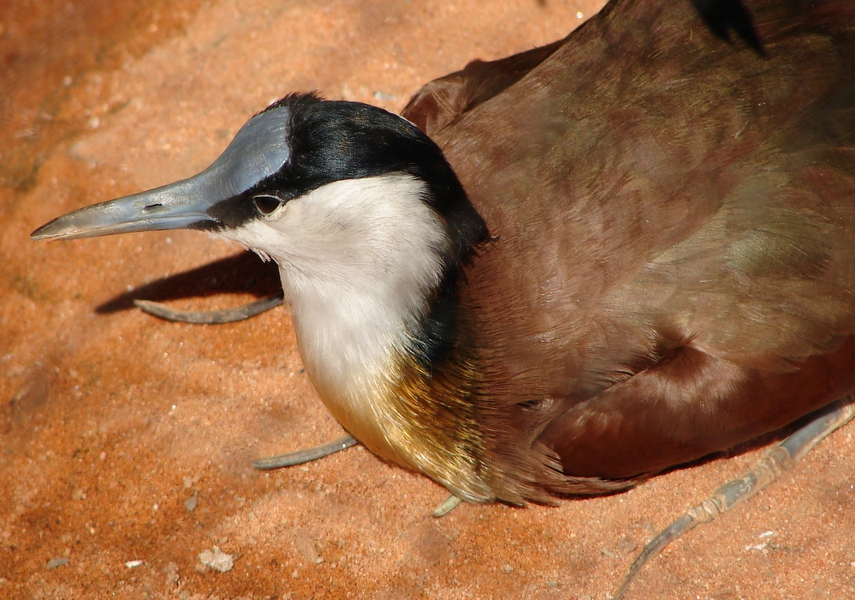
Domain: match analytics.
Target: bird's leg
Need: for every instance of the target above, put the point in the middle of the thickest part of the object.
(229, 315)
(448, 505)
(303, 456)
(337, 445)
(765, 471)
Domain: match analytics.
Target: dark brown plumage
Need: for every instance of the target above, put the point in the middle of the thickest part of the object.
(670, 199)
(672, 193)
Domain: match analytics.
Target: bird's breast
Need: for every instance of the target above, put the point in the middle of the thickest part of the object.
(370, 377)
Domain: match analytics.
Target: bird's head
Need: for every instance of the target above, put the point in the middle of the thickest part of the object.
(303, 175)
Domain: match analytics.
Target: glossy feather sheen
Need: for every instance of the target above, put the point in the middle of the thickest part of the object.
(673, 270)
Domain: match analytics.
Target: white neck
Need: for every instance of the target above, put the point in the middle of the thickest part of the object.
(359, 260)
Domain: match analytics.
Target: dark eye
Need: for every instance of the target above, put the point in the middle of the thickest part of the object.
(266, 204)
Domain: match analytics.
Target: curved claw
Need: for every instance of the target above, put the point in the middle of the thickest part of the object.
(766, 470)
(303, 456)
(448, 505)
(213, 317)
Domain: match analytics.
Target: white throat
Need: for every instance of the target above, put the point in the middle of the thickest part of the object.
(359, 261)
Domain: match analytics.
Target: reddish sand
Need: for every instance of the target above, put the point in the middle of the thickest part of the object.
(125, 438)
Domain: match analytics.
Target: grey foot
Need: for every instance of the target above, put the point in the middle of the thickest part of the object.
(213, 317)
(782, 458)
(303, 456)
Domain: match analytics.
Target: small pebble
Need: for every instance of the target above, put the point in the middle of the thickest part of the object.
(217, 560)
(306, 546)
(57, 562)
(172, 574)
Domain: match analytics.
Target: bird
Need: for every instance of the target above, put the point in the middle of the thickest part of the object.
(567, 271)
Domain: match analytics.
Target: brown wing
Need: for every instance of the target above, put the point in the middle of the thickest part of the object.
(440, 102)
(674, 202)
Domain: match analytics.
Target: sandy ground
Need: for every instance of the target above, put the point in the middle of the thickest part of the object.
(124, 438)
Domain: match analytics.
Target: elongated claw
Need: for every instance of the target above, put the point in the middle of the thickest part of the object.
(769, 468)
(213, 317)
(303, 456)
(448, 505)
